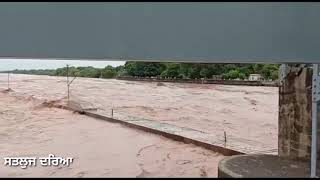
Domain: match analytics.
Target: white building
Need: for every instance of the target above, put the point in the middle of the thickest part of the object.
(255, 77)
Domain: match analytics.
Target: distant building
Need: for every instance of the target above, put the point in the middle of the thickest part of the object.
(255, 77)
(216, 77)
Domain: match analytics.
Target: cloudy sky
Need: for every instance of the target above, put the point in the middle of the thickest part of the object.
(11, 64)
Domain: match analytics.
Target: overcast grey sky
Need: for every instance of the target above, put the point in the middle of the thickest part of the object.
(11, 64)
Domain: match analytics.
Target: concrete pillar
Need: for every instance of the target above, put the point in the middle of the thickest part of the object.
(294, 139)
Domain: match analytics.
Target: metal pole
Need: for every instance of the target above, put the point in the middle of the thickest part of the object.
(68, 80)
(8, 81)
(225, 139)
(315, 99)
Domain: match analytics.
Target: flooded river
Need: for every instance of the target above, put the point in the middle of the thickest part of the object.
(98, 148)
(247, 113)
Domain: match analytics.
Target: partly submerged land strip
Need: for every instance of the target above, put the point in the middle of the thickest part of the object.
(171, 135)
(204, 81)
(100, 149)
(169, 131)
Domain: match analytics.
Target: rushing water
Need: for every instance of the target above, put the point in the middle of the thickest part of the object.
(248, 114)
(99, 148)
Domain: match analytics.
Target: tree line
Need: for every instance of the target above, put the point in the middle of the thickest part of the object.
(197, 71)
(166, 70)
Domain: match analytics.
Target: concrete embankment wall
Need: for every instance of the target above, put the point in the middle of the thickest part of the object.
(295, 115)
(223, 150)
(205, 81)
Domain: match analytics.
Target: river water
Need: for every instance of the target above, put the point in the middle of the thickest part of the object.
(246, 113)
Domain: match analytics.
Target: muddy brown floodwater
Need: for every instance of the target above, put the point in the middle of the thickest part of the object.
(99, 148)
(247, 114)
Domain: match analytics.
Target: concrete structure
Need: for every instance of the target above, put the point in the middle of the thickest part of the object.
(255, 77)
(254, 166)
(295, 114)
(295, 131)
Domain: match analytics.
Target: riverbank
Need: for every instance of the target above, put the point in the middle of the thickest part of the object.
(204, 81)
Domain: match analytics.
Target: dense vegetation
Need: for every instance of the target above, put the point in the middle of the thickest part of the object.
(166, 70)
(91, 72)
(196, 71)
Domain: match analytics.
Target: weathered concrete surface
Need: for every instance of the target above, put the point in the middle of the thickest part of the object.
(242, 166)
(295, 114)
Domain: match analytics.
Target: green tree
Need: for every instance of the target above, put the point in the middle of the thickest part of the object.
(172, 71)
(232, 74)
(275, 75)
(194, 72)
(108, 72)
(153, 69)
(268, 69)
(242, 76)
(205, 72)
